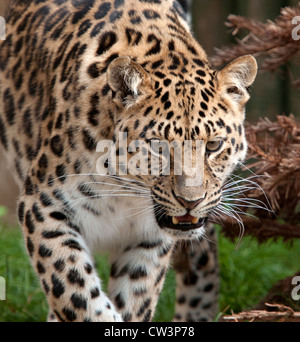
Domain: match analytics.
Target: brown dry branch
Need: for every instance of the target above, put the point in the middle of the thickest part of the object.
(274, 155)
(262, 229)
(286, 311)
(275, 148)
(281, 293)
(281, 313)
(271, 40)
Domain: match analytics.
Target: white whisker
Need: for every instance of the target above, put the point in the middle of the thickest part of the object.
(144, 211)
(118, 185)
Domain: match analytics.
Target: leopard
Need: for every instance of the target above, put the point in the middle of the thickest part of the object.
(75, 73)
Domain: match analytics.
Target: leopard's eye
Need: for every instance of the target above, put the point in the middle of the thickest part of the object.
(214, 146)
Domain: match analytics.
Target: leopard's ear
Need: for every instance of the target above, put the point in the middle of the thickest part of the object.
(130, 82)
(236, 77)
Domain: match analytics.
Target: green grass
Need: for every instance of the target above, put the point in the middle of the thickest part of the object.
(248, 273)
(25, 302)
(246, 276)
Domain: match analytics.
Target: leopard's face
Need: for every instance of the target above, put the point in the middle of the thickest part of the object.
(185, 138)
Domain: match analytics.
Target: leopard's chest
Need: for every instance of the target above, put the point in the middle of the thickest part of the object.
(112, 222)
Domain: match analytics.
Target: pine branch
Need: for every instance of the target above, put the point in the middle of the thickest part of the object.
(271, 40)
(274, 153)
(285, 314)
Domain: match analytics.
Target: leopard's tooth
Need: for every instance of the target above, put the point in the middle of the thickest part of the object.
(174, 220)
(195, 220)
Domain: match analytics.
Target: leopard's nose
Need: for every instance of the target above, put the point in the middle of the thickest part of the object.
(189, 205)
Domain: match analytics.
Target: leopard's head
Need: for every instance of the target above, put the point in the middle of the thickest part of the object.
(185, 132)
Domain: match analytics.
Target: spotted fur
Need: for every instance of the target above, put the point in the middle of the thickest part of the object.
(75, 72)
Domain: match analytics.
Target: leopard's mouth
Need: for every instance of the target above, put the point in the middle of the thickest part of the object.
(183, 223)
